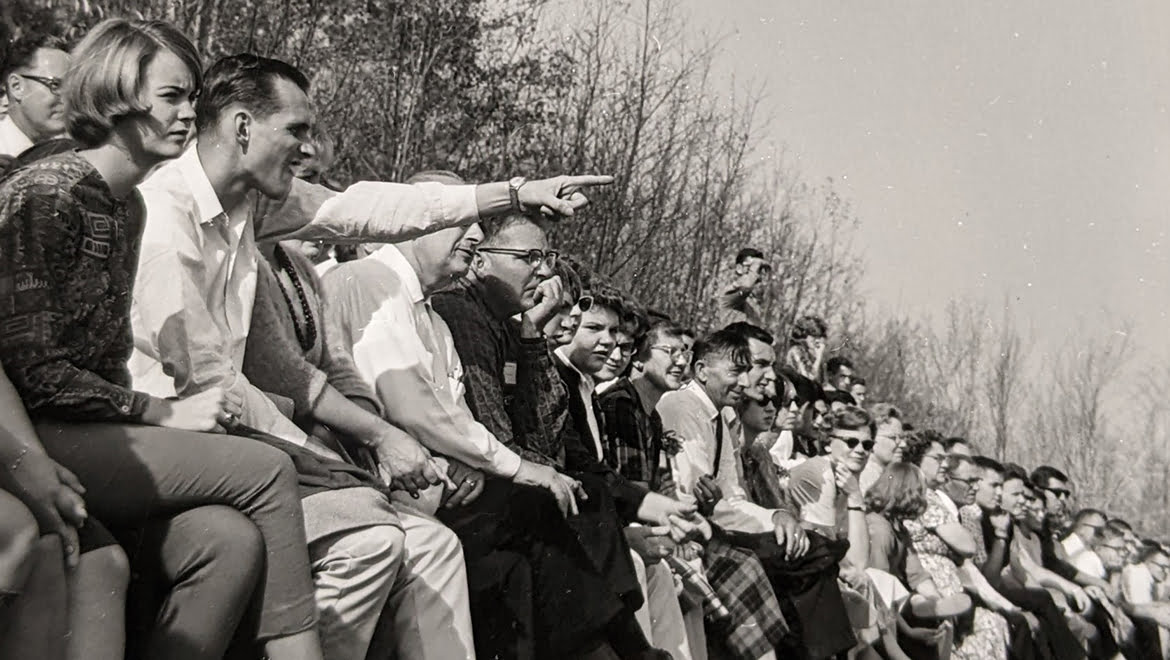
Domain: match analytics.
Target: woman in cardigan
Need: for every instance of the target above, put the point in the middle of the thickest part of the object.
(70, 227)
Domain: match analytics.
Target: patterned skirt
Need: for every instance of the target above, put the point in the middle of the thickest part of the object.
(757, 625)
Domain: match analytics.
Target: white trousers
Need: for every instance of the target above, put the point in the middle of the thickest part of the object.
(661, 617)
(385, 590)
(355, 562)
(429, 612)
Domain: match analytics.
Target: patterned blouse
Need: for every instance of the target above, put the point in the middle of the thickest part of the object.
(68, 254)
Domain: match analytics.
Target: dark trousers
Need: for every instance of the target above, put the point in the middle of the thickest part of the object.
(808, 593)
(194, 576)
(1057, 641)
(550, 586)
(134, 475)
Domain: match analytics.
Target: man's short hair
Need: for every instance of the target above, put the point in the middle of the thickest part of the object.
(723, 343)
(104, 84)
(749, 331)
(747, 253)
(835, 363)
(1044, 474)
(1084, 514)
(246, 79)
(21, 51)
(954, 461)
(1015, 471)
(858, 380)
(1119, 524)
(493, 227)
(987, 463)
(950, 443)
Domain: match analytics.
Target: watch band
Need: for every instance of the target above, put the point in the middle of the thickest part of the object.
(514, 185)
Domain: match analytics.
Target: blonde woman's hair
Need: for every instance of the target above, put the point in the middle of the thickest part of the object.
(104, 85)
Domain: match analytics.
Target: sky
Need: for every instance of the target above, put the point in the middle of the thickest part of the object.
(990, 149)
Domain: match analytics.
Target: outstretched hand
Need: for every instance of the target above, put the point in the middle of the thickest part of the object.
(561, 196)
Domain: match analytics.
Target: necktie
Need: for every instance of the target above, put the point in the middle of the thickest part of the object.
(718, 443)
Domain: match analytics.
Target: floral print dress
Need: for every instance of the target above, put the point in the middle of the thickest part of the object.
(988, 638)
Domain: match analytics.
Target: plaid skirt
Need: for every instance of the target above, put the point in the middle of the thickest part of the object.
(757, 625)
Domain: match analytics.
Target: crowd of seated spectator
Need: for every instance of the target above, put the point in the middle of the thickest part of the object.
(250, 412)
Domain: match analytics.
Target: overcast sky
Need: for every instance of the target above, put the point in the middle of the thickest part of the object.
(988, 147)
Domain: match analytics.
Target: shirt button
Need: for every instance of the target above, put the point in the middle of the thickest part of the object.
(125, 409)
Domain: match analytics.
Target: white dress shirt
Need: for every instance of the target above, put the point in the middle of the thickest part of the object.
(1082, 557)
(585, 388)
(691, 414)
(13, 141)
(405, 351)
(196, 282)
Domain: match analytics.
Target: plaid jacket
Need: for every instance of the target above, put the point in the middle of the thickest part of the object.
(632, 440)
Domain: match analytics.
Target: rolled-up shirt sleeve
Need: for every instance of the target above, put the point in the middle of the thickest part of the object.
(368, 211)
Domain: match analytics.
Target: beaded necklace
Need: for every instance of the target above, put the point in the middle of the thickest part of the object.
(307, 337)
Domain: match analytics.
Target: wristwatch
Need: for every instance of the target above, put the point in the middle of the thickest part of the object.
(514, 185)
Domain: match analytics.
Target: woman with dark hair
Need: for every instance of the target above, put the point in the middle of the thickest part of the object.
(806, 352)
(897, 496)
(70, 229)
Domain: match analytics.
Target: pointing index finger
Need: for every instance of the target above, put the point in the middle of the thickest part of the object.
(572, 183)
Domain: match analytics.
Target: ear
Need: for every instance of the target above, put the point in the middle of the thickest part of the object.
(242, 129)
(700, 371)
(15, 88)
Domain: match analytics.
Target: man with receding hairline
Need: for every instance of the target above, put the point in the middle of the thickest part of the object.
(32, 74)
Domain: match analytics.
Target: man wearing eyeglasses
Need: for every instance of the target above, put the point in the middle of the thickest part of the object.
(738, 302)
(32, 77)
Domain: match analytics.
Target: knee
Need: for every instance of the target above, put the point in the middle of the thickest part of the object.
(380, 549)
(229, 543)
(19, 533)
(108, 566)
(447, 545)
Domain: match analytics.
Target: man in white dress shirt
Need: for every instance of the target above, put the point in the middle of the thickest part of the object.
(194, 295)
(33, 70)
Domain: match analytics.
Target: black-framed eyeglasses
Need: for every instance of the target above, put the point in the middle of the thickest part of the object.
(867, 445)
(626, 349)
(534, 256)
(675, 352)
(1060, 493)
(969, 482)
(584, 303)
(53, 84)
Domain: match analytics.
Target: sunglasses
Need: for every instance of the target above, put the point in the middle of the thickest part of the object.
(1060, 493)
(867, 445)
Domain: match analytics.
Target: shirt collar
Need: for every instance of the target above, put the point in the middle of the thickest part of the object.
(705, 401)
(562, 353)
(206, 201)
(10, 131)
(392, 258)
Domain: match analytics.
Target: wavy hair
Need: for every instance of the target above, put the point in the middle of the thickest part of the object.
(105, 83)
(899, 493)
